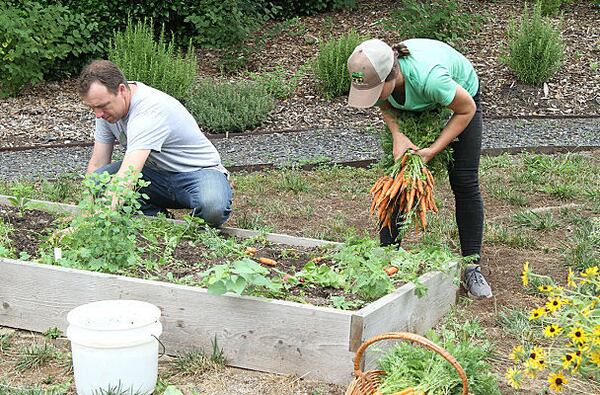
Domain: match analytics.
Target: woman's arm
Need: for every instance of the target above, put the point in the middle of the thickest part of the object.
(400, 142)
(464, 109)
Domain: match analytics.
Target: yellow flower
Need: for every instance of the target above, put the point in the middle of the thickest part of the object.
(590, 272)
(568, 360)
(514, 377)
(525, 274)
(537, 313)
(552, 330)
(570, 281)
(596, 357)
(545, 288)
(578, 335)
(557, 380)
(553, 304)
(536, 358)
(517, 353)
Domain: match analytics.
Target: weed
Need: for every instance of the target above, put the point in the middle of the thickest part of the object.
(501, 235)
(52, 333)
(517, 323)
(541, 222)
(294, 181)
(116, 389)
(503, 161)
(197, 362)
(35, 356)
(5, 340)
(510, 195)
(254, 221)
(6, 245)
(583, 248)
(21, 196)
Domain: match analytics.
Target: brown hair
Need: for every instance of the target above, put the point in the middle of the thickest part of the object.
(103, 71)
(400, 51)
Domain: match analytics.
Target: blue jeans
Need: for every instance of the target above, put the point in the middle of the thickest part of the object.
(207, 192)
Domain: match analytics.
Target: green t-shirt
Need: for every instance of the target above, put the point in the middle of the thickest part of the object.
(431, 72)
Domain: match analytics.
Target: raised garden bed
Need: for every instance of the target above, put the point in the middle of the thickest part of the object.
(255, 333)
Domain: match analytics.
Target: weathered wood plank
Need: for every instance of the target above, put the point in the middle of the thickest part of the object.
(276, 238)
(403, 311)
(255, 333)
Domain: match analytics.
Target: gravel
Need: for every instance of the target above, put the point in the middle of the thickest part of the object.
(319, 145)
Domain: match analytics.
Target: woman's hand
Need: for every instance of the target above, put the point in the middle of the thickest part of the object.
(401, 145)
(426, 154)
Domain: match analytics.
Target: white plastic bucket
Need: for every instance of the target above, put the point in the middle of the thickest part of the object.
(114, 344)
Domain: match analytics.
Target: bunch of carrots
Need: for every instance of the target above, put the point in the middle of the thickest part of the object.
(406, 191)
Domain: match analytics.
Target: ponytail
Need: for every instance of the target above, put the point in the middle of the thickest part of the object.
(401, 50)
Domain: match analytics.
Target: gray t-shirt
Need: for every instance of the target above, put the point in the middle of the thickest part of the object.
(160, 123)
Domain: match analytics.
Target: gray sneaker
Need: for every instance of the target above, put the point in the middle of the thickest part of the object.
(475, 283)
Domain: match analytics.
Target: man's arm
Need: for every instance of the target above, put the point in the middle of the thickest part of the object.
(101, 156)
(135, 160)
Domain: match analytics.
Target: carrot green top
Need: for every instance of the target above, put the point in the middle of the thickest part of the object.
(432, 71)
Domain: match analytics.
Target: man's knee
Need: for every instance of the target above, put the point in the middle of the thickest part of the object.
(214, 212)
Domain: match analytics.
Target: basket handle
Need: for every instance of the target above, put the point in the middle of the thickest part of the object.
(415, 339)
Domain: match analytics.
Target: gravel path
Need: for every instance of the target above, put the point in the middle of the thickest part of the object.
(314, 146)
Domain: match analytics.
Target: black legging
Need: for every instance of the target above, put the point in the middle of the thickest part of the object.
(463, 172)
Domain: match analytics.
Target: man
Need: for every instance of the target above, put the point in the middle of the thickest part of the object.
(162, 141)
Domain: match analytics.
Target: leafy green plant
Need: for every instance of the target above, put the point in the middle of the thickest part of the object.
(535, 48)
(156, 63)
(103, 237)
(422, 129)
(230, 107)
(550, 7)
(6, 246)
(241, 276)
(438, 19)
(293, 180)
(290, 8)
(21, 196)
(36, 355)
(330, 67)
(37, 41)
(408, 365)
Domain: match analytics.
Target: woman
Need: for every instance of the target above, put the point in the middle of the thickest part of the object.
(418, 75)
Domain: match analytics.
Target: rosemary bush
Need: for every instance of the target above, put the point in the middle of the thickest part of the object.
(331, 68)
(155, 63)
(438, 19)
(229, 107)
(535, 47)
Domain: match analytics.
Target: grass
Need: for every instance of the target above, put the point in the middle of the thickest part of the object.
(36, 355)
(516, 322)
(537, 221)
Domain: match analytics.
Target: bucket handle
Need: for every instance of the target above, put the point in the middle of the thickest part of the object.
(164, 349)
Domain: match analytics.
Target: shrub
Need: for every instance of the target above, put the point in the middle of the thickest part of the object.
(331, 68)
(232, 107)
(535, 48)
(38, 41)
(277, 82)
(438, 19)
(156, 63)
(550, 7)
(291, 8)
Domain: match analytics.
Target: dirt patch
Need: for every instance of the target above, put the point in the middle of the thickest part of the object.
(29, 228)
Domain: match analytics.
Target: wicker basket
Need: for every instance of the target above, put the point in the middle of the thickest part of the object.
(367, 383)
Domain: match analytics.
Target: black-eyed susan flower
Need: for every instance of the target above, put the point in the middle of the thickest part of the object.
(570, 278)
(517, 353)
(556, 381)
(578, 335)
(536, 358)
(553, 304)
(514, 377)
(545, 288)
(595, 357)
(590, 272)
(537, 313)
(552, 330)
(567, 360)
(525, 274)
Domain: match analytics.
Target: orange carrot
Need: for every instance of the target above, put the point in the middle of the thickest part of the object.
(250, 251)
(391, 270)
(267, 261)
(407, 391)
